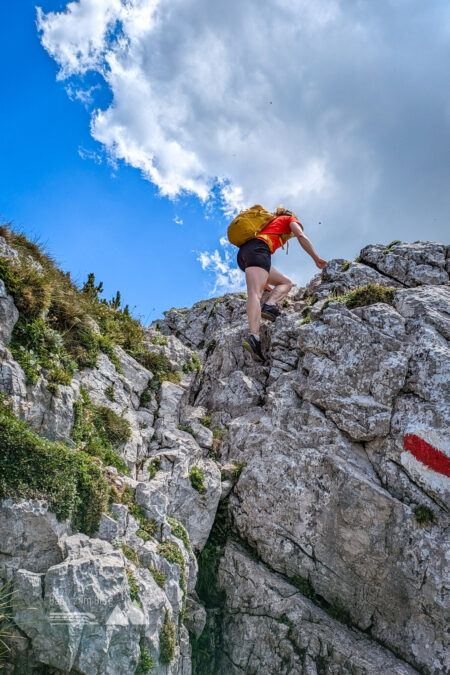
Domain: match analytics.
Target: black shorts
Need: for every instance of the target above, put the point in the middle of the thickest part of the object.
(254, 253)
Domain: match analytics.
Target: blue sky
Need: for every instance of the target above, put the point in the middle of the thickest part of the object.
(170, 110)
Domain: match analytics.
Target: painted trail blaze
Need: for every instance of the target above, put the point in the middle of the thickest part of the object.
(427, 454)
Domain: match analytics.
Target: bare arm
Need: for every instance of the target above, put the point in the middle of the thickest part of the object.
(306, 245)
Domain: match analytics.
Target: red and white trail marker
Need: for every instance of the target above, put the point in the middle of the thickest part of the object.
(426, 457)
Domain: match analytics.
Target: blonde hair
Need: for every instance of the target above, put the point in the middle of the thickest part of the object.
(283, 211)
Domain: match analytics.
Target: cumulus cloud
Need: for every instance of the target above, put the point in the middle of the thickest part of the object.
(228, 279)
(337, 108)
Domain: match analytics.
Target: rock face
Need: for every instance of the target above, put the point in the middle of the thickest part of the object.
(334, 458)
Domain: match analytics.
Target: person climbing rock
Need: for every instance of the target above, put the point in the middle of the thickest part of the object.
(254, 258)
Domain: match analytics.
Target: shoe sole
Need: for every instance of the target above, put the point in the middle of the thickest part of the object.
(254, 356)
(271, 317)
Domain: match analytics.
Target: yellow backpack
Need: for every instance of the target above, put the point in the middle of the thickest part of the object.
(248, 224)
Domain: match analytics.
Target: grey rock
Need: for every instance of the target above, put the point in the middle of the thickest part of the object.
(8, 314)
(419, 263)
(269, 627)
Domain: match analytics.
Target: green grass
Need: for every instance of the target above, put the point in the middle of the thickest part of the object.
(109, 393)
(171, 552)
(304, 321)
(158, 576)
(100, 431)
(345, 266)
(363, 296)
(236, 471)
(32, 467)
(197, 478)
(424, 515)
(167, 641)
(130, 554)
(159, 340)
(179, 531)
(147, 527)
(154, 466)
(132, 583)
(146, 663)
(206, 421)
(193, 365)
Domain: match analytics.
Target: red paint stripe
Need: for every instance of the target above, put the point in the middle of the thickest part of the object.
(425, 453)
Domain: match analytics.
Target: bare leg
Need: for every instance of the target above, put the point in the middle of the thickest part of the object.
(282, 286)
(256, 279)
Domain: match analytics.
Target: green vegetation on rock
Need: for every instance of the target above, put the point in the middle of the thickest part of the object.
(179, 531)
(424, 515)
(197, 478)
(363, 296)
(100, 431)
(167, 641)
(158, 576)
(32, 467)
(146, 663)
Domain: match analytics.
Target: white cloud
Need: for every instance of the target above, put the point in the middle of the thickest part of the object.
(228, 279)
(326, 105)
(177, 220)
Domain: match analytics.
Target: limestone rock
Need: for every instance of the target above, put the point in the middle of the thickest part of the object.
(8, 314)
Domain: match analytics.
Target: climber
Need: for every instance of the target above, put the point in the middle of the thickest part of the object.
(254, 259)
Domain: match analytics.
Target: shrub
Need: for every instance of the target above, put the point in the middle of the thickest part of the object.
(148, 527)
(236, 471)
(363, 296)
(159, 340)
(158, 576)
(206, 421)
(167, 641)
(197, 478)
(179, 531)
(146, 396)
(109, 393)
(32, 467)
(194, 365)
(154, 466)
(424, 515)
(171, 552)
(134, 588)
(345, 266)
(99, 431)
(146, 663)
(130, 554)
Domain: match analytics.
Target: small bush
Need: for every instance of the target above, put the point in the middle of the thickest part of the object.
(179, 531)
(148, 527)
(146, 396)
(194, 365)
(304, 321)
(197, 478)
(127, 496)
(146, 663)
(134, 588)
(32, 467)
(206, 421)
(130, 554)
(171, 552)
(237, 470)
(159, 577)
(363, 296)
(109, 393)
(99, 431)
(167, 641)
(154, 466)
(159, 340)
(285, 303)
(424, 515)
(345, 266)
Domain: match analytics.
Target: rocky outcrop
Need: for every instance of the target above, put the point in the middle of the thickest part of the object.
(330, 462)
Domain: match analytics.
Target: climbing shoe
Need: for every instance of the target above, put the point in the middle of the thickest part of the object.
(270, 312)
(253, 345)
